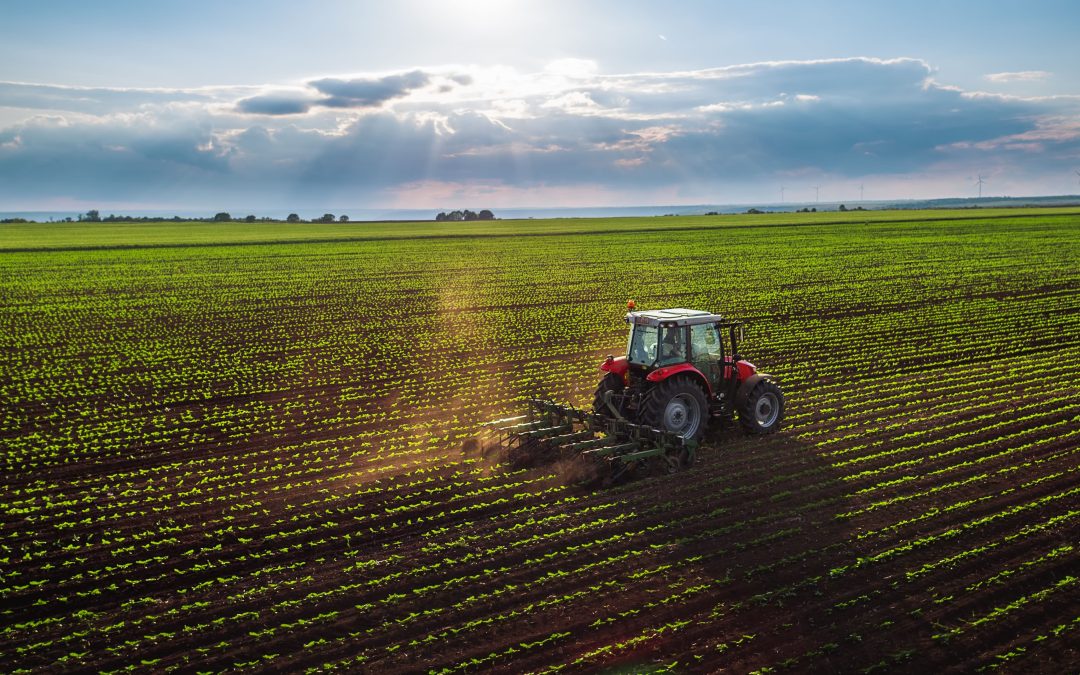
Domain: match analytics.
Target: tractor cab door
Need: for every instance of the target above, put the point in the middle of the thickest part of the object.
(707, 353)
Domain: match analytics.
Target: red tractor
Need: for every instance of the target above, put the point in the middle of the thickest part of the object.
(681, 369)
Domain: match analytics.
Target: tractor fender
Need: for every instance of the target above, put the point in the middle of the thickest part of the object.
(746, 369)
(748, 385)
(661, 374)
(742, 368)
(617, 365)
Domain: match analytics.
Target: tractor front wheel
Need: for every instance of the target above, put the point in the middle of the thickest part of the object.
(677, 405)
(763, 409)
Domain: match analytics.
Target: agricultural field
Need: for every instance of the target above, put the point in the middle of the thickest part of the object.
(255, 447)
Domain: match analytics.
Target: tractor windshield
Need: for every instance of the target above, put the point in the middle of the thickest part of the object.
(644, 341)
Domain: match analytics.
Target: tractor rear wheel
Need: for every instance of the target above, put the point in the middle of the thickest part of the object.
(763, 409)
(677, 405)
(612, 383)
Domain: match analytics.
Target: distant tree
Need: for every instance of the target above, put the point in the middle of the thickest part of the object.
(325, 218)
(843, 208)
(455, 215)
(441, 217)
(485, 215)
(813, 210)
(92, 216)
(469, 215)
(293, 218)
(754, 211)
(249, 219)
(343, 218)
(222, 217)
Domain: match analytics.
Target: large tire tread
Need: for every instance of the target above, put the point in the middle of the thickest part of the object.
(652, 410)
(747, 408)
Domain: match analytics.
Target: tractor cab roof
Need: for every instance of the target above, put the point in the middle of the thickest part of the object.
(672, 317)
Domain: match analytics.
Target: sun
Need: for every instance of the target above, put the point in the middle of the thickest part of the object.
(482, 14)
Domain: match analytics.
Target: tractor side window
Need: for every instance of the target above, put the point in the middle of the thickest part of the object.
(672, 346)
(705, 341)
(642, 348)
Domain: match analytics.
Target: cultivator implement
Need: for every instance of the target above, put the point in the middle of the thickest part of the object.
(602, 447)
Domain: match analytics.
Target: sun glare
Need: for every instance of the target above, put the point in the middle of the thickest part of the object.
(481, 14)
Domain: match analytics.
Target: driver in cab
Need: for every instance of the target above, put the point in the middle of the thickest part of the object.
(671, 348)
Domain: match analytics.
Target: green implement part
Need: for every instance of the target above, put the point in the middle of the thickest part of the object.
(608, 446)
(545, 432)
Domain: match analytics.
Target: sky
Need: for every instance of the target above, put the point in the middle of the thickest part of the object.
(447, 104)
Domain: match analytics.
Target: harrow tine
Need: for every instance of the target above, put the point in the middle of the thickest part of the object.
(524, 426)
(544, 432)
(505, 420)
(568, 440)
(610, 450)
(592, 443)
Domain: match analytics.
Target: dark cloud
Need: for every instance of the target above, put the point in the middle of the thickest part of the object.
(253, 139)
(111, 161)
(367, 92)
(273, 105)
(337, 93)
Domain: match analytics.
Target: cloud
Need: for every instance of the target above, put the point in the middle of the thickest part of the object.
(368, 92)
(1019, 76)
(575, 102)
(97, 100)
(1048, 131)
(131, 155)
(355, 93)
(718, 134)
(572, 68)
(274, 104)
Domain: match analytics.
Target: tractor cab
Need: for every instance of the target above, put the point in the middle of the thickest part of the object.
(672, 337)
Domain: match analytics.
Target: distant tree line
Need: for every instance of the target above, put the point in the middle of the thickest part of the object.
(94, 216)
(465, 215)
(805, 209)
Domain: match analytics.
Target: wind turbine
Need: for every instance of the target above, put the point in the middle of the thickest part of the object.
(1077, 172)
(860, 192)
(782, 188)
(817, 194)
(980, 184)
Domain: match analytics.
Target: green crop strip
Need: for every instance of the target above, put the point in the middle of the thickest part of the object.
(237, 447)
